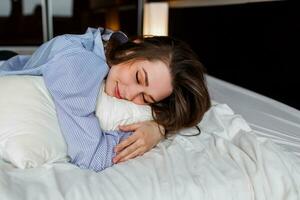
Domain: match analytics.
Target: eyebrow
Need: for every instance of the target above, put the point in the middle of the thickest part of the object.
(147, 84)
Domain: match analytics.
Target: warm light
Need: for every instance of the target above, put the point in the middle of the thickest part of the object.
(156, 17)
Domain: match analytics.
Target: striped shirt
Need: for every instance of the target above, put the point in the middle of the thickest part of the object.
(73, 67)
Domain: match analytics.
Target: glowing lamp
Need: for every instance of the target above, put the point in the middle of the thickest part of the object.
(156, 17)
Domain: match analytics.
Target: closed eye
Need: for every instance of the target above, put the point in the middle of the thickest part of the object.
(137, 77)
(138, 81)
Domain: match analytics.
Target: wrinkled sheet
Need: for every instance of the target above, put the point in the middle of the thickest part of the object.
(267, 118)
(226, 161)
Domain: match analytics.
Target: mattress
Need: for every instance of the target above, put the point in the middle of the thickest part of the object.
(247, 149)
(267, 117)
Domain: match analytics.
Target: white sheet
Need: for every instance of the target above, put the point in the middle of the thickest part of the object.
(267, 117)
(226, 161)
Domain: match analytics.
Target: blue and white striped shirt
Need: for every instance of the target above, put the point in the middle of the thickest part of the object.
(73, 67)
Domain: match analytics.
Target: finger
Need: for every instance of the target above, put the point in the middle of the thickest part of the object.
(125, 143)
(134, 138)
(129, 127)
(131, 156)
(125, 152)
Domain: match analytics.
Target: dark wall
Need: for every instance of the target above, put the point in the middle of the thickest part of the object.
(18, 29)
(254, 45)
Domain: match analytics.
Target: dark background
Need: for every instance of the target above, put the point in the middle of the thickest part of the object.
(26, 30)
(254, 45)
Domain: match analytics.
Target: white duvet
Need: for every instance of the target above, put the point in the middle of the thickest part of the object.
(226, 161)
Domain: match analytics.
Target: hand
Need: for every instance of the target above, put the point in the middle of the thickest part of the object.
(145, 136)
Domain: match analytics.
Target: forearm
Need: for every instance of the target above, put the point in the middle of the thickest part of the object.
(89, 147)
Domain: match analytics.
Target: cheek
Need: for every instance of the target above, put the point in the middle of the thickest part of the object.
(109, 83)
(124, 76)
(108, 87)
(117, 74)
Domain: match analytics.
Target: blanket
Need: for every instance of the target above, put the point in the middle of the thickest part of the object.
(226, 161)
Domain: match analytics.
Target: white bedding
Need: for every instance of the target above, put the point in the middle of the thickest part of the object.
(226, 161)
(267, 117)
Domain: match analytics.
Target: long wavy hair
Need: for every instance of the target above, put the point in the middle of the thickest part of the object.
(190, 99)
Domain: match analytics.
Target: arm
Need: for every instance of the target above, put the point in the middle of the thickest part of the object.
(35, 64)
(14, 65)
(74, 79)
(73, 69)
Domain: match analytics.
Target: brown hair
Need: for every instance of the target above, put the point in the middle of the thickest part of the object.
(190, 99)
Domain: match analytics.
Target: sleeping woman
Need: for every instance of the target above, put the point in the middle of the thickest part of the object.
(158, 71)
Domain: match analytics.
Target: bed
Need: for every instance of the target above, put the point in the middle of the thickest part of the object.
(249, 148)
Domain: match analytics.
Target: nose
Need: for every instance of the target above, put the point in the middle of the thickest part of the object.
(133, 93)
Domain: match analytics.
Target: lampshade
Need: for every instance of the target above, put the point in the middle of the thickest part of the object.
(156, 17)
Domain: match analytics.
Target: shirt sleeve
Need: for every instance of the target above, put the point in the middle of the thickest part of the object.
(73, 79)
(14, 65)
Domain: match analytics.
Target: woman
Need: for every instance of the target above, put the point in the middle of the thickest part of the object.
(159, 71)
(175, 73)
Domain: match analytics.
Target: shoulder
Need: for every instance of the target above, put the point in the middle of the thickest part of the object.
(77, 62)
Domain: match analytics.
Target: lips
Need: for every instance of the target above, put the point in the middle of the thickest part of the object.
(117, 92)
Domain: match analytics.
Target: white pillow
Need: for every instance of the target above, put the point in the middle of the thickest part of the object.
(29, 131)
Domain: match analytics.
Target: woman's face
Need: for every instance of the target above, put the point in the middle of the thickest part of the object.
(140, 81)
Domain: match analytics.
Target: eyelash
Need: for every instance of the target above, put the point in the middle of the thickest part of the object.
(136, 76)
(137, 80)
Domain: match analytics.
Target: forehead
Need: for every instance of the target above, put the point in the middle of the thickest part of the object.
(151, 65)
